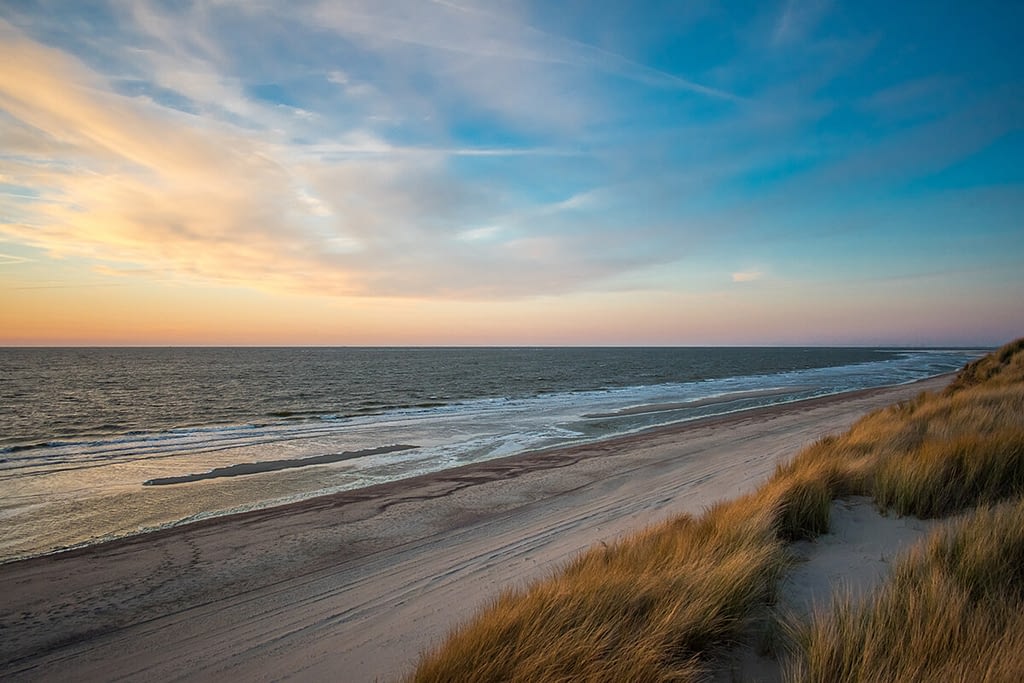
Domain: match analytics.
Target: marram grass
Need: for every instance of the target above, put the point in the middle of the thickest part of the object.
(968, 449)
(662, 604)
(645, 609)
(953, 610)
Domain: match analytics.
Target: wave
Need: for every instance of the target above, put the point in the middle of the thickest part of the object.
(435, 422)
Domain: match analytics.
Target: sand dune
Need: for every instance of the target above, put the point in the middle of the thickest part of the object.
(352, 587)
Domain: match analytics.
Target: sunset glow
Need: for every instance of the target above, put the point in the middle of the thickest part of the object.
(261, 173)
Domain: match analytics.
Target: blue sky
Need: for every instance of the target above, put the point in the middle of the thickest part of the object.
(459, 172)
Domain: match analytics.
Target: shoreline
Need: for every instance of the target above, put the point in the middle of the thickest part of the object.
(654, 408)
(358, 583)
(397, 486)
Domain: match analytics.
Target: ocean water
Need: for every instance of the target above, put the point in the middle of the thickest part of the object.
(103, 443)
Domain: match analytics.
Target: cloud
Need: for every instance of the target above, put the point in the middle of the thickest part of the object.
(929, 94)
(134, 183)
(494, 61)
(428, 149)
(747, 276)
(557, 49)
(929, 147)
(797, 20)
(140, 184)
(11, 259)
(484, 233)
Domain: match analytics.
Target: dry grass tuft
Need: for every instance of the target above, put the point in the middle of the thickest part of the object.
(1003, 366)
(937, 454)
(953, 611)
(956, 451)
(800, 495)
(648, 608)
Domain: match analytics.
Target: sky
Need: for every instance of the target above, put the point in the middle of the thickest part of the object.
(435, 172)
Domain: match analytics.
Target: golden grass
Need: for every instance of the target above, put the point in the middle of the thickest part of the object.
(1004, 366)
(649, 608)
(952, 611)
(966, 449)
(660, 605)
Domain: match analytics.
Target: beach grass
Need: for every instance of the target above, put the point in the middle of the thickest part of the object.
(646, 608)
(663, 604)
(953, 610)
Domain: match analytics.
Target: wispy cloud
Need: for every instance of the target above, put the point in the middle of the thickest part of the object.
(455, 149)
(69, 285)
(564, 50)
(797, 19)
(466, 29)
(930, 147)
(11, 259)
(911, 94)
(168, 161)
(145, 185)
(494, 60)
(747, 276)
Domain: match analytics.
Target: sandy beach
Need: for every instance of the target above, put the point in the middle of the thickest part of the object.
(352, 587)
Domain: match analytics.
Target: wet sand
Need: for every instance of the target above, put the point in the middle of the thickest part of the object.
(353, 586)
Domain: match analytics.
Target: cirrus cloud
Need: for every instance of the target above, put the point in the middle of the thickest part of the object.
(141, 184)
(747, 276)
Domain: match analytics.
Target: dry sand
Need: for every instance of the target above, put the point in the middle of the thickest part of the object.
(352, 587)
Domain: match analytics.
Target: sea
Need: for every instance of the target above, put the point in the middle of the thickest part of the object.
(102, 443)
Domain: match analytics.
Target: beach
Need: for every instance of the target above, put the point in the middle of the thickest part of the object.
(353, 586)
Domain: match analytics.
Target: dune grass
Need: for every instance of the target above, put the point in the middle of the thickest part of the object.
(953, 610)
(963, 450)
(644, 609)
(662, 604)
(1004, 366)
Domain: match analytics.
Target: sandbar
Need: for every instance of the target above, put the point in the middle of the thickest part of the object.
(246, 468)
